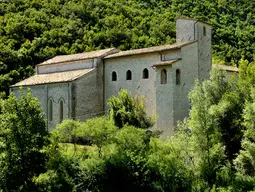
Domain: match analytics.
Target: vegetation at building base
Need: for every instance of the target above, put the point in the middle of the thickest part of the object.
(32, 31)
(22, 138)
(211, 150)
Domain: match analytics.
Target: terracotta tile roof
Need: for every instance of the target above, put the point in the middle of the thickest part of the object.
(150, 49)
(165, 63)
(80, 56)
(53, 77)
(226, 67)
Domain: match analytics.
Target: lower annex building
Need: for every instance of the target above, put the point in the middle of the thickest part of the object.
(78, 86)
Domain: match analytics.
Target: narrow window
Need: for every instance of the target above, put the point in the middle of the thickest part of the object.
(61, 111)
(178, 77)
(129, 75)
(163, 76)
(145, 73)
(204, 31)
(50, 110)
(114, 76)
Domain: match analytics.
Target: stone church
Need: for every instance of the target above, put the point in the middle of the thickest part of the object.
(78, 86)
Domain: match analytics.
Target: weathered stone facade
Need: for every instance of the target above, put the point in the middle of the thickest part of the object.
(79, 85)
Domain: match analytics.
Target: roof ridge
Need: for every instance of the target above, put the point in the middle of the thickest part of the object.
(79, 56)
(150, 49)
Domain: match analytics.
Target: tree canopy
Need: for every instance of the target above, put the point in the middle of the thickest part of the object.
(211, 150)
(23, 135)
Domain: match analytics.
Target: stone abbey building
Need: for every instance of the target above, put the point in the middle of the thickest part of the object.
(78, 86)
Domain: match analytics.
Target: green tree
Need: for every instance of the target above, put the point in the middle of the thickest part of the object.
(97, 130)
(215, 130)
(23, 135)
(125, 161)
(60, 170)
(245, 161)
(125, 109)
(66, 131)
(170, 165)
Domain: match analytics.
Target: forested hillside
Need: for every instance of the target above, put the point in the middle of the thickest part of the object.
(32, 31)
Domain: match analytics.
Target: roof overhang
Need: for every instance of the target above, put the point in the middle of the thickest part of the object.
(155, 49)
(166, 63)
(58, 77)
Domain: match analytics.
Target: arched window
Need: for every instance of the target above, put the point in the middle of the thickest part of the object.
(61, 108)
(163, 76)
(145, 73)
(129, 75)
(50, 110)
(204, 31)
(178, 77)
(114, 76)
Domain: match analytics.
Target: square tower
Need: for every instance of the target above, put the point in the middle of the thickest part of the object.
(194, 30)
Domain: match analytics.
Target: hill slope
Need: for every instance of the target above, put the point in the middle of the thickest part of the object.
(32, 31)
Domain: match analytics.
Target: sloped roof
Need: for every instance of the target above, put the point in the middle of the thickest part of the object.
(66, 76)
(165, 63)
(150, 49)
(79, 56)
(226, 67)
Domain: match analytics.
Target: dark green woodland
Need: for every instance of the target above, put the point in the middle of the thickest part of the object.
(212, 150)
(32, 31)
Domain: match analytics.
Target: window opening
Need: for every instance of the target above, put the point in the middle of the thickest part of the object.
(178, 76)
(114, 76)
(50, 110)
(163, 76)
(129, 75)
(204, 31)
(145, 73)
(61, 108)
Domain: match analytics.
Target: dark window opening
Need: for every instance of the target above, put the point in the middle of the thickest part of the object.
(178, 76)
(129, 75)
(163, 76)
(61, 112)
(114, 76)
(145, 73)
(204, 31)
(50, 110)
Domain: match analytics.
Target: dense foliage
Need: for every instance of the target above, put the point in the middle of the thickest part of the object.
(23, 135)
(127, 110)
(32, 31)
(212, 150)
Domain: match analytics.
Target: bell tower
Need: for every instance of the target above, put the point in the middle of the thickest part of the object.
(194, 30)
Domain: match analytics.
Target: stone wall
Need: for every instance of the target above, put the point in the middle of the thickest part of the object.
(66, 66)
(164, 100)
(38, 91)
(55, 92)
(204, 37)
(58, 92)
(88, 96)
(189, 72)
(136, 64)
(185, 30)
(194, 30)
